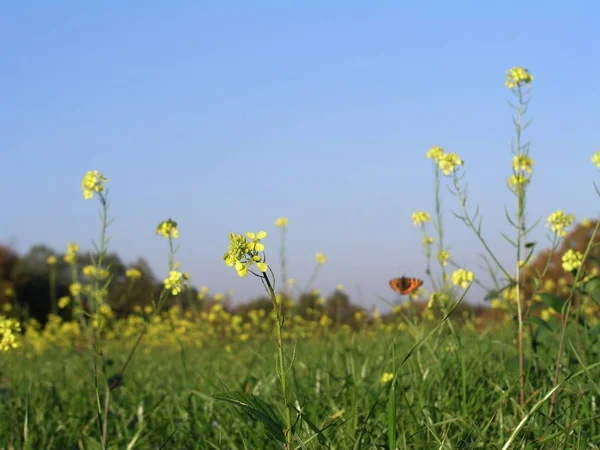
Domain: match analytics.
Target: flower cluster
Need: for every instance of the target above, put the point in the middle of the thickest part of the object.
(168, 229)
(8, 329)
(571, 260)
(462, 278)
(448, 163)
(558, 221)
(420, 217)
(517, 76)
(93, 181)
(71, 253)
(243, 253)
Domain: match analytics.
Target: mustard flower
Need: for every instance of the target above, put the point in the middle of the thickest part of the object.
(244, 254)
(443, 257)
(523, 163)
(281, 222)
(572, 260)
(7, 307)
(168, 229)
(340, 287)
(320, 258)
(596, 159)
(51, 260)
(133, 274)
(255, 245)
(93, 272)
(9, 292)
(8, 328)
(558, 221)
(75, 289)
(93, 181)
(420, 217)
(427, 240)
(462, 278)
(64, 301)
(517, 182)
(386, 377)
(435, 153)
(218, 297)
(175, 282)
(449, 162)
(71, 253)
(517, 76)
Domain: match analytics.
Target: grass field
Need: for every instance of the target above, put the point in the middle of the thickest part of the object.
(447, 395)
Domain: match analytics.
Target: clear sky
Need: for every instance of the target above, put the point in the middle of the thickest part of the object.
(224, 116)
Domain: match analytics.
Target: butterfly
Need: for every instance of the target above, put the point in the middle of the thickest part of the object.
(405, 285)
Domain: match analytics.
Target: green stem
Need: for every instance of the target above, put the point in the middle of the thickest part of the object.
(281, 361)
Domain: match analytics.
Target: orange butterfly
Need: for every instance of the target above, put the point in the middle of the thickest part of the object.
(405, 285)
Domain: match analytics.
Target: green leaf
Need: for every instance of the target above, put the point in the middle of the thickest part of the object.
(257, 409)
(592, 288)
(552, 301)
(540, 322)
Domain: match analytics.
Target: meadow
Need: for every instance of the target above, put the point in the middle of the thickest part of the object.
(185, 370)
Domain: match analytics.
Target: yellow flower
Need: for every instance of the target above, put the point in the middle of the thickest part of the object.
(9, 292)
(255, 245)
(71, 253)
(572, 260)
(133, 273)
(218, 297)
(443, 257)
(420, 217)
(325, 321)
(558, 221)
(462, 278)
(75, 289)
(63, 302)
(8, 328)
(51, 260)
(596, 159)
(93, 181)
(168, 229)
(435, 153)
(517, 182)
(427, 240)
(386, 377)
(523, 163)
(281, 222)
(320, 257)
(358, 316)
(175, 282)
(7, 307)
(517, 76)
(449, 162)
(340, 287)
(291, 282)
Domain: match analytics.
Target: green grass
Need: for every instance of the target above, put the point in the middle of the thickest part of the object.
(461, 400)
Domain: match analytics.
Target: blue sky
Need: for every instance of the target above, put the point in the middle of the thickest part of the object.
(225, 116)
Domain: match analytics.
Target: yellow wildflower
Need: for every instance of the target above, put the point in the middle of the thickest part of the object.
(443, 257)
(558, 221)
(51, 260)
(517, 76)
(435, 153)
(462, 278)
(320, 258)
(420, 217)
(596, 159)
(175, 282)
(572, 260)
(64, 301)
(93, 181)
(133, 273)
(523, 163)
(168, 229)
(386, 377)
(281, 222)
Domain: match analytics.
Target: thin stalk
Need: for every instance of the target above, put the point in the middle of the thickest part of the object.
(281, 362)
